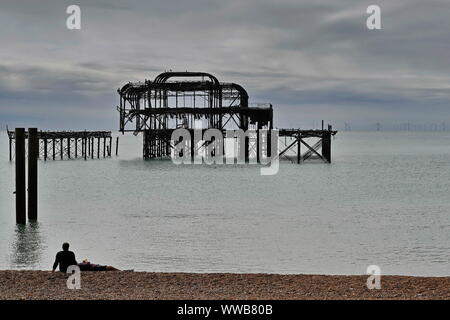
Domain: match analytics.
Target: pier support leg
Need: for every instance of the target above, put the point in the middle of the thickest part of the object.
(299, 150)
(53, 148)
(85, 148)
(246, 146)
(192, 148)
(68, 148)
(20, 176)
(326, 146)
(145, 147)
(33, 151)
(168, 148)
(61, 147)
(45, 149)
(117, 146)
(10, 149)
(258, 147)
(98, 148)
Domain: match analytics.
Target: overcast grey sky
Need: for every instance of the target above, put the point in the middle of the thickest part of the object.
(312, 59)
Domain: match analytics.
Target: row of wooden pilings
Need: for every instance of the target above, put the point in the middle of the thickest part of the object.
(33, 156)
(87, 147)
(21, 194)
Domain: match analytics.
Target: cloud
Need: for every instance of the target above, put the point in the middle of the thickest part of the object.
(310, 59)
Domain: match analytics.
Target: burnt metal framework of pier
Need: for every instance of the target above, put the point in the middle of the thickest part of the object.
(295, 139)
(60, 145)
(182, 99)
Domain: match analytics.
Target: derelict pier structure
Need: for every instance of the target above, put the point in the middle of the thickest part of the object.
(193, 100)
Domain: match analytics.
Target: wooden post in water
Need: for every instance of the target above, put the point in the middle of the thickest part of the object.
(258, 148)
(247, 148)
(61, 147)
(326, 144)
(76, 147)
(54, 151)
(299, 151)
(117, 146)
(20, 176)
(68, 148)
(33, 151)
(92, 148)
(193, 145)
(45, 149)
(85, 148)
(10, 149)
(98, 148)
(104, 147)
(110, 146)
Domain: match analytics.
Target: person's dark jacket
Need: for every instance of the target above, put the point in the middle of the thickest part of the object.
(64, 259)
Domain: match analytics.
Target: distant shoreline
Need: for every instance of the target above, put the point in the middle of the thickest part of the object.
(17, 285)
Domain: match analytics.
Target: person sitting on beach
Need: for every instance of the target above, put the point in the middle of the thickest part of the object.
(64, 259)
(87, 266)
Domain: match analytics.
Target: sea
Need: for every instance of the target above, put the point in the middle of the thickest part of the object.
(384, 200)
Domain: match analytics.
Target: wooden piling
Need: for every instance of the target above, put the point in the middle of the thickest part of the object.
(326, 146)
(10, 149)
(61, 147)
(104, 147)
(45, 149)
(68, 148)
(53, 147)
(117, 146)
(299, 151)
(193, 148)
(258, 148)
(20, 176)
(98, 148)
(85, 149)
(247, 147)
(33, 152)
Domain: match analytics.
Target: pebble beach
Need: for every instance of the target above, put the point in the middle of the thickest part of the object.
(119, 285)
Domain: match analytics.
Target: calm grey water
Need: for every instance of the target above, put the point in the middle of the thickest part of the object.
(384, 200)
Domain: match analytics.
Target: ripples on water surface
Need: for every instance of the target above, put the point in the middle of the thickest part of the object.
(384, 200)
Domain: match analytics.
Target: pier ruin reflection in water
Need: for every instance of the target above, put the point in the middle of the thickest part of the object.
(27, 246)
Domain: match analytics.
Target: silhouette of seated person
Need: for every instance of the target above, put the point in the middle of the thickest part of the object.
(64, 259)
